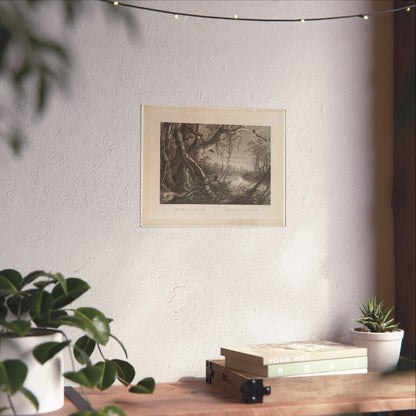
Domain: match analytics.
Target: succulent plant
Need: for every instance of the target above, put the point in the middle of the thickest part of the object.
(375, 318)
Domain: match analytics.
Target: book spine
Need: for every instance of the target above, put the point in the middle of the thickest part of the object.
(333, 373)
(313, 367)
(309, 367)
(260, 358)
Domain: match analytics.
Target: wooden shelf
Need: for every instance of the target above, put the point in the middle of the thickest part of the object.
(308, 396)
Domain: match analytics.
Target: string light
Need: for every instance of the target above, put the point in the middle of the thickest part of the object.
(250, 19)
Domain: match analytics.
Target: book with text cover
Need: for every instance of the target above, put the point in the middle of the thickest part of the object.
(292, 352)
(315, 367)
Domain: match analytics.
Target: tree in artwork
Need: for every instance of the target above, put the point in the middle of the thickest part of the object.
(215, 164)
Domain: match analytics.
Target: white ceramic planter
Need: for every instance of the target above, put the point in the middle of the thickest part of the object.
(44, 381)
(383, 348)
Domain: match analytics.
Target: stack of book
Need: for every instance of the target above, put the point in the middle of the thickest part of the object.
(296, 359)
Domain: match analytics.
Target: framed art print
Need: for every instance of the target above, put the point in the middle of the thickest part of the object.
(212, 167)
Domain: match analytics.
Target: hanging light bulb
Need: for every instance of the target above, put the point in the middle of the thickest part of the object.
(116, 3)
(176, 17)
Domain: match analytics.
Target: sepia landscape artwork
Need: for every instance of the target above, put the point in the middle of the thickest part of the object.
(205, 166)
(214, 164)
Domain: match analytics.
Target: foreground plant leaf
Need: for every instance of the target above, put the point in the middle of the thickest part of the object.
(18, 305)
(83, 349)
(44, 352)
(13, 277)
(30, 396)
(7, 287)
(125, 371)
(18, 327)
(98, 328)
(3, 312)
(31, 277)
(88, 377)
(91, 321)
(12, 375)
(54, 277)
(40, 303)
(108, 374)
(105, 411)
(75, 288)
(145, 386)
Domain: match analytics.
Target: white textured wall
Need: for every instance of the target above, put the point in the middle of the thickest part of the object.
(71, 203)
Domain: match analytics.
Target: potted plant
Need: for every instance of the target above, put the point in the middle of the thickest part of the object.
(380, 335)
(34, 310)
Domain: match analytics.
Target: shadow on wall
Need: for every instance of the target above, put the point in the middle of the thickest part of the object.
(43, 62)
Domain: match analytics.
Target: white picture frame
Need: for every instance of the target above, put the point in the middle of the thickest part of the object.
(212, 167)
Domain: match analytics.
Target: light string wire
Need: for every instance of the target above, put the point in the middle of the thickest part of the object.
(250, 19)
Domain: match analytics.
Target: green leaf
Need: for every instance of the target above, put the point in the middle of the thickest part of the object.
(40, 304)
(75, 288)
(6, 287)
(110, 411)
(43, 284)
(54, 277)
(83, 413)
(145, 386)
(89, 320)
(45, 351)
(88, 376)
(12, 375)
(18, 327)
(75, 321)
(125, 371)
(13, 276)
(83, 349)
(18, 305)
(31, 277)
(108, 374)
(3, 312)
(55, 316)
(30, 396)
(98, 328)
(62, 281)
(105, 411)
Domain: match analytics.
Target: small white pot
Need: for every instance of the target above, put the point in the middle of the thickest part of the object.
(383, 348)
(44, 381)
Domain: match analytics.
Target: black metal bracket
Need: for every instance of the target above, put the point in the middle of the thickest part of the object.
(77, 399)
(253, 391)
(209, 372)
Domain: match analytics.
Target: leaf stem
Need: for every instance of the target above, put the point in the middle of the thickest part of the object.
(73, 369)
(101, 353)
(9, 398)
